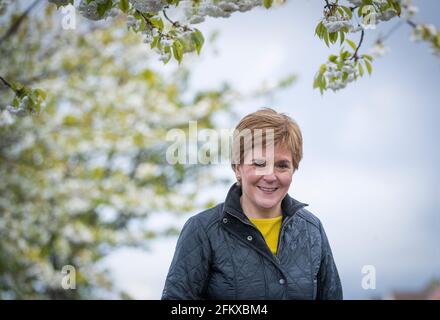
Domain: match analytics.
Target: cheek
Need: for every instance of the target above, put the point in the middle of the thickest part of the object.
(286, 179)
(249, 174)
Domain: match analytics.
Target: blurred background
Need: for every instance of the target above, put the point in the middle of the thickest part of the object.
(86, 182)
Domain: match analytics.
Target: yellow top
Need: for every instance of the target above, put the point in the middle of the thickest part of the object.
(270, 229)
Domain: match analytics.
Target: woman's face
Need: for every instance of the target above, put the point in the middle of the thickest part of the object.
(265, 181)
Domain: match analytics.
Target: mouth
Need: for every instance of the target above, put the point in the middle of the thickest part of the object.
(267, 190)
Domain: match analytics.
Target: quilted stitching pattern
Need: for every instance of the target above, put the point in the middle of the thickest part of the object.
(212, 261)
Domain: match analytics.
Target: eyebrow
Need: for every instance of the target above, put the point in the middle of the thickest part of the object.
(283, 162)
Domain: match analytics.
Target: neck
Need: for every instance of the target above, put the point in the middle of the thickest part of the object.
(251, 211)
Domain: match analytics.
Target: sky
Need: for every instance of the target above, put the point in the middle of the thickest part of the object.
(370, 170)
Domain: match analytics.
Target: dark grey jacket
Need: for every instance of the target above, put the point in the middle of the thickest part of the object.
(220, 254)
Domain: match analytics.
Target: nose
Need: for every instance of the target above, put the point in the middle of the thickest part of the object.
(270, 177)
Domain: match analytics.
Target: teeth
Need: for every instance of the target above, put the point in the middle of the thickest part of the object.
(267, 189)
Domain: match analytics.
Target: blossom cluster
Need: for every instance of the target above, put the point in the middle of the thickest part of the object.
(150, 6)
(89, 9)
(429, 33)
(197, 11)
(338, 76)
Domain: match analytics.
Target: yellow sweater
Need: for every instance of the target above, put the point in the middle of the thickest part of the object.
(270, 229)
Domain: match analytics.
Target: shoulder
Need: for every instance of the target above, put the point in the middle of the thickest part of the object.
(206, 219)
(310, 218)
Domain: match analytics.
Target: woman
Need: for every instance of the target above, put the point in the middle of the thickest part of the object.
(260, 243)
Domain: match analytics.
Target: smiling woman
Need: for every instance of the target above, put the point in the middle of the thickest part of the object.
(260, 243)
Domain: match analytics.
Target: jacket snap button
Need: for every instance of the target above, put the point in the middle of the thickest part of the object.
(249, 238)
(225, 220)
(282, 281)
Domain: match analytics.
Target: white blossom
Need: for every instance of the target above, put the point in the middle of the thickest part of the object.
(6, 118)
(337, 22)
(148, 6)
(196, 19)
(354, 29)
(60, 2)
(132, 22)
(89, 10)
(216, 9)
(335, 75)
(432, 31)
(379, 50)
(387, 15)
(408, 9)
(355, 2)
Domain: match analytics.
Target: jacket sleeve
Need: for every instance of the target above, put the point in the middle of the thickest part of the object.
(329, 284)
(189, 270)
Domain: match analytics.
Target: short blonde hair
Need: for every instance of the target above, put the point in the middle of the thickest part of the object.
(286, 132)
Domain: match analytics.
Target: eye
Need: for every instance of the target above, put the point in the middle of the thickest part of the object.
(284, 165)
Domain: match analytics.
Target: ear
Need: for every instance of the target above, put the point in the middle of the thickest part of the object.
(237, 171)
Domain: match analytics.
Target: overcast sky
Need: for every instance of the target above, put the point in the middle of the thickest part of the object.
(370, 170)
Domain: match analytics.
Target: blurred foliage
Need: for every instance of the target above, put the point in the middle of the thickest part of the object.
(80, 176)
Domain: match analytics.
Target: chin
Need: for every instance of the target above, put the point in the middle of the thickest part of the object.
(268, 204)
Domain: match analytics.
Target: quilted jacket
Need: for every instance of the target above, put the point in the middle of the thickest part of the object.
(220, 254)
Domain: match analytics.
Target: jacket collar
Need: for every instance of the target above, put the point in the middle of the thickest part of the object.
(289, 206)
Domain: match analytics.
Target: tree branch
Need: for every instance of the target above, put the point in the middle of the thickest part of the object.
(411, 23)
(6, 83)
(355, 54)
(169, 20)
(14, 27)
(393, 29)
(175, 23)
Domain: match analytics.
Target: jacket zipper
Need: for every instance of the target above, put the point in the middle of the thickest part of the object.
(279, 236)
(255, 228)
(244, 221)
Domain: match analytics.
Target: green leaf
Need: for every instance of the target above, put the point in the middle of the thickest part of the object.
(367, 57)
(123, 5)
(361, 70)
(103, 7)
(142, 26)
(325, 36)
(342, 36)
(267, 3)
(157, 22)
(347, 11)
(333, 58)
(318, 29)
(333, 37)
(167, 50)
(155, 42)
(317, 81)
(351, 43)
(368, 65)
(397, 7)
(345, 55)
(41, 94)
(178, 50)
(198, 40)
